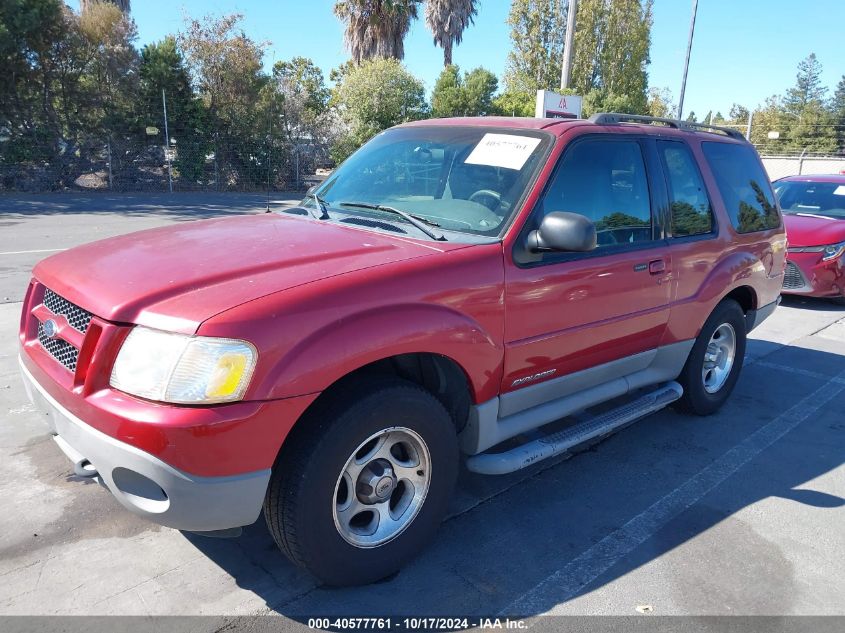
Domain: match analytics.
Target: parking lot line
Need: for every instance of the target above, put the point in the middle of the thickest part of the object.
(563, 584)
(43, 250)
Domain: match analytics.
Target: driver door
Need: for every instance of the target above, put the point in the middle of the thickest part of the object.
(567, 312)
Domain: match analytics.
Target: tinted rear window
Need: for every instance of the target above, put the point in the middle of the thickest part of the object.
(744, 186)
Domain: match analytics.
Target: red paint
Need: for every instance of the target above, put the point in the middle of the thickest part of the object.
(826, 278)
(320, 300)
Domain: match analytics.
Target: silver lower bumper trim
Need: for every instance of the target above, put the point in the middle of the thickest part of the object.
(143, 483)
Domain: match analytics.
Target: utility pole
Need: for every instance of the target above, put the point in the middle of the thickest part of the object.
(569, 44)
(167, 143)
(686, 62)
(748, 129)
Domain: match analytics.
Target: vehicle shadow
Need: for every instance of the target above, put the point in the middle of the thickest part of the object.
(558, 533)
(817, 304)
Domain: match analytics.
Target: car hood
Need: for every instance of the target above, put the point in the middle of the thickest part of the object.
(178, 276)
(811, 230)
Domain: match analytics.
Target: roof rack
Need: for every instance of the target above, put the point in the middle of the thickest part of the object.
(615, 118)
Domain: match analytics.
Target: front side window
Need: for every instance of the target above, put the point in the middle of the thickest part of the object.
(463, 179)
(743, 185)
(605, 181)
(690, 206)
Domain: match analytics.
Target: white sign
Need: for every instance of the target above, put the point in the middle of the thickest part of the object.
(773, 135)
(551, 105)
(503, 150)
(152, 131)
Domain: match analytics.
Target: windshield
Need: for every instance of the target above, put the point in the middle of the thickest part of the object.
(465, 179)
(814, 198)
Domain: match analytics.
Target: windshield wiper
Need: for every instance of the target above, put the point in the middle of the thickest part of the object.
(417, 221)
(321, 205)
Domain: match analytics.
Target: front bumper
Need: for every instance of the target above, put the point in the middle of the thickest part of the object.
(143, 483)
(808, 275)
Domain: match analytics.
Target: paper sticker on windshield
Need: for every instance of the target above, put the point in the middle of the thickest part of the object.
(839, 191)
(503, 150)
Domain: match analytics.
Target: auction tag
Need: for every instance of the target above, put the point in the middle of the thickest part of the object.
(503, 150)
(839, 191)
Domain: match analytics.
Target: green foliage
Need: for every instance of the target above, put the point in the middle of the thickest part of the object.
(470, 95)
(163, 69)
(514, 103)
(801, 118)
(662, 104)
(448, 98)
(611, 56)
(537, 30)
(376, 95)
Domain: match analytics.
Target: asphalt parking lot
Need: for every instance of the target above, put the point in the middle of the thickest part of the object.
(741, 513)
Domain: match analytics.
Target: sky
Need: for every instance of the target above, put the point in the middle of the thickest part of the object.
(743, 51)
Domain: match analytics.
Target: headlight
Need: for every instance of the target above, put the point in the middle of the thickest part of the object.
(833, 251)
(183, 369)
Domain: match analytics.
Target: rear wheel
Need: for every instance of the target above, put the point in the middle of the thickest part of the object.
(714, 364)
(363, 484)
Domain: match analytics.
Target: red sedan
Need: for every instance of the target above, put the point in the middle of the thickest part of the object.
(814, 215)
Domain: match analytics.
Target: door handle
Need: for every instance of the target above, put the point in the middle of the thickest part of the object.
(656, 266)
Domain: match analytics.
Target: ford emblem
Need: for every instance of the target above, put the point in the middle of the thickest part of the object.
(51, 328)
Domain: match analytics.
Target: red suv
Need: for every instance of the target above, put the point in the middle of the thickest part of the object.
(452, 286)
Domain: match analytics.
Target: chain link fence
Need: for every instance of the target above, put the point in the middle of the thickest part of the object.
(143, 163)
(802, 165)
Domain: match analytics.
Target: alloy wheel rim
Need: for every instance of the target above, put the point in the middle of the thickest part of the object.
(382, 487)
(719, 358)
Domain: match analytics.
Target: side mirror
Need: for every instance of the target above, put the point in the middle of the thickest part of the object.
(563, 231)
(311, 190)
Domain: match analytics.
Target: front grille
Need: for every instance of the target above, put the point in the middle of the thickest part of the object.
(792, 278)
(78, 318)
(61, 350)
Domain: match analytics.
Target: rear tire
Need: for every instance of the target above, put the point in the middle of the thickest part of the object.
(715, 362)
(364, 481)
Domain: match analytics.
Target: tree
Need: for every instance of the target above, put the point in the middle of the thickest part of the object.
(479, 85)
(301, 80)
(691, 118)
(163, 69)
(372, 97)
(470, 95)
(662, 104)
(837, 107)
(376, 28)
(448, 98)
(226, 69)
(447, 20)
(534, 62)
(611, 53)
(123, 5)
(738, 113)
(808, 90)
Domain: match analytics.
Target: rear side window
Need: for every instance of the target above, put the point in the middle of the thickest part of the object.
(604, 180)
(691, 212)
(744, 186)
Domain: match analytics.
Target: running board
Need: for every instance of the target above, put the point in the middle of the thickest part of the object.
(560, 442)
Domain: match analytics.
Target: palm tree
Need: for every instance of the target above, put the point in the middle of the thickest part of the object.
(447, 20)
(123, 5)
(376, 28)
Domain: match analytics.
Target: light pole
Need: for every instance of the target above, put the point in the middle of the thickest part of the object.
(569, 44)
(686, 62)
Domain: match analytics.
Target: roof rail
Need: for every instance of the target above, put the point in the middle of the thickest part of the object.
(615, 118)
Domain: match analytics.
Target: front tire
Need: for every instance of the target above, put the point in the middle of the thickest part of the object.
(364, 481)
(715, 362)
